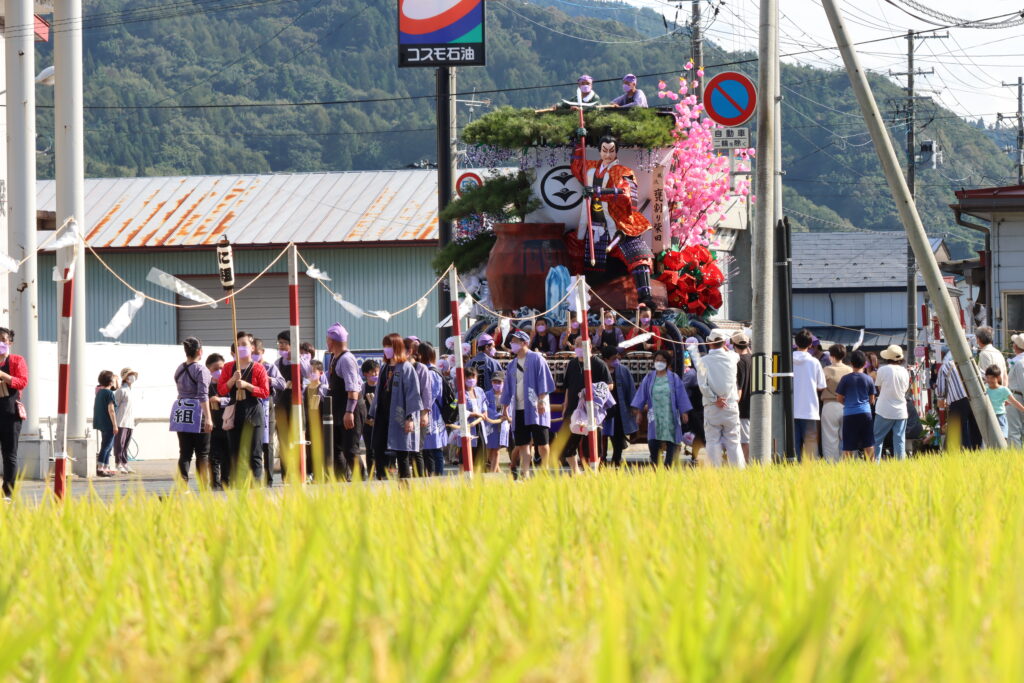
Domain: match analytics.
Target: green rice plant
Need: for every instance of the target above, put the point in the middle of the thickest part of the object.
(855, 572)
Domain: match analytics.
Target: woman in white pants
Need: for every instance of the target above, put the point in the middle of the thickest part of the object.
(831, 408)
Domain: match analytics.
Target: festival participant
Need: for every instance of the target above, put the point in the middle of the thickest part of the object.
(190, 416)
(953, 396)
(104, 420)
(220, 463)
(586, 85)
(856, 393)
(572, 384)
(999, 396)
(631, 95)
(370, 370)
(435, 434)
(483, 362)
(988, 354)
(543, 340)
(14, 379)
(652, 344)
(125, 414)
(423, 376)
(608, 334)
(891, 408)
(568, 339)
(284, 359)
(820, 354)
(664, 397)
(396, 408)
(744, 368)
(498, 437)
(872, 366)
(277, 387)
(344, 383)
(528, 382)
(808, 380)
(245, 438)
(617, 224)
(476, 410)
(832, 411)
(620, 422)
(716, 378)
(1016, 386)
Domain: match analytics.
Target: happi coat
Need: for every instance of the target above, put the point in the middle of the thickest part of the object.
(406, 402)
(679, 402)
(625, 390)
(538, 382)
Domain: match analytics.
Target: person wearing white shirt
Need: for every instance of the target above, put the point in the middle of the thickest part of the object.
(989, 355)
(808, 380)
(716, 377)
(893, 381)
(1016, 386)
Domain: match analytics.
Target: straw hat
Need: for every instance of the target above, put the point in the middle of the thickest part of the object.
(717, 335)
(740, 339)
(1018, 340)
(894, 352)
(128, 371)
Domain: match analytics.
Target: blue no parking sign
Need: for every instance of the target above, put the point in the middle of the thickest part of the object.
(730, 99)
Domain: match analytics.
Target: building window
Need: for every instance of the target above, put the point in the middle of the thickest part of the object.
(1013, 314)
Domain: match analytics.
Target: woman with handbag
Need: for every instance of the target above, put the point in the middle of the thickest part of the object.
(395, 412)
(190, 414)
(13, 378)
(245, 382)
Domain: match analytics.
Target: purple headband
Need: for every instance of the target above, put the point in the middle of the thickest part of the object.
(337, 332)
(629, 78)
(586, 78)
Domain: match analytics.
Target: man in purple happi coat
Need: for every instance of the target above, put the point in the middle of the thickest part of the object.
(528, 382)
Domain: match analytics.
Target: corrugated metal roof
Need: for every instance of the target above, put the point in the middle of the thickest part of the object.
(307, 208)
(849, 260)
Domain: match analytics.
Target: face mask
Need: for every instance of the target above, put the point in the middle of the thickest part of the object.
(585, 89)
(244, 352)
(645, 321)
(130, 379)
(613, 363)
(578, 352)
(371, 381)
(516, 347)
(660, 365)
(285, 355)
(389, 352)
(626, 87)
(575, 325)
(5, 348)
(470, 383)
(257, 357)
(490, 351)
(609, 321)
(541, 329)
(314, 376)
(215, 374)
(305, 357)
(497, 386)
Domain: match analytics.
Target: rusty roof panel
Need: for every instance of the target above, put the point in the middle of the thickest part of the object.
(307, 208)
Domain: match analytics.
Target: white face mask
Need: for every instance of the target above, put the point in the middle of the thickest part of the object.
(516, 347)
(609, 321)
(660, 365)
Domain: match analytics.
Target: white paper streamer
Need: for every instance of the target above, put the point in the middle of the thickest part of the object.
(421, 306)
(58, 271)
(317, 274)
(465, 306)
(446, 322)
(639, 339)
(123, 318)
(7, 264)
(68, 238)
(168, 281)
(383, 315)
(504, 324)
(348, 306)
(860, 340)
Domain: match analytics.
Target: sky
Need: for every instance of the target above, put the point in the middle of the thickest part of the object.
(970, 65)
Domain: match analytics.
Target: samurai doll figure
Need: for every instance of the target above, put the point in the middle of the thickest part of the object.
(618, 226)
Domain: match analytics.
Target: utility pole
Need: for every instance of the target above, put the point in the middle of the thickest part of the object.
(697, 48)
(763, 261)
(911, 119)
(1020, 127)
(446, 159)
(916, 235)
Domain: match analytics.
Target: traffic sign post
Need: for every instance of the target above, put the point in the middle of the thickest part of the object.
(731, 138)
(730, 99)
(467, 182)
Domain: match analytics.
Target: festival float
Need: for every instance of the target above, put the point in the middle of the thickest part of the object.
(629, 198)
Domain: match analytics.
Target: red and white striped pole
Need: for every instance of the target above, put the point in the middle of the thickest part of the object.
(60, 457)
(588, 378)
(460, 377)
(297, 430)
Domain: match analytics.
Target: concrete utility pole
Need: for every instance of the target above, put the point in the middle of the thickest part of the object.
(916, 235)
(911, 117)
(1020, 126)
(69, 151)
(446, 134)
(763, 238)
(697, 47)
(21, 204)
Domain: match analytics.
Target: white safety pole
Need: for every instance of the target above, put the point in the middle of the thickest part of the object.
(460, 376)
(588, 377)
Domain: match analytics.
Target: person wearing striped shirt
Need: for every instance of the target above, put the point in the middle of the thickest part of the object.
(953, 397)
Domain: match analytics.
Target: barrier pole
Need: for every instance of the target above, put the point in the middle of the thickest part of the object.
(63, 378)
(297, 431)
(588, 378)
(460, 377)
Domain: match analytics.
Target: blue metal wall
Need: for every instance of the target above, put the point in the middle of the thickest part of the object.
(379, 278)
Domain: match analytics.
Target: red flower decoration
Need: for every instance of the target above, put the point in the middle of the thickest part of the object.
(687, 282)
(673, 260)
(670, 278)
(702, 254)
(696, 307)
(677, 299)
(712, 297)
(712, 275)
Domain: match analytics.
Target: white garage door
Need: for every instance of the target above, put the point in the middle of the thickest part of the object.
(262, 310)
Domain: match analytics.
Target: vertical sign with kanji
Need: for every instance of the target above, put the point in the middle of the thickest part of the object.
(658, 209)
(440, 33)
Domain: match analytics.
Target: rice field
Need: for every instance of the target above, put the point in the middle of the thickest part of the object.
(857, 572)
